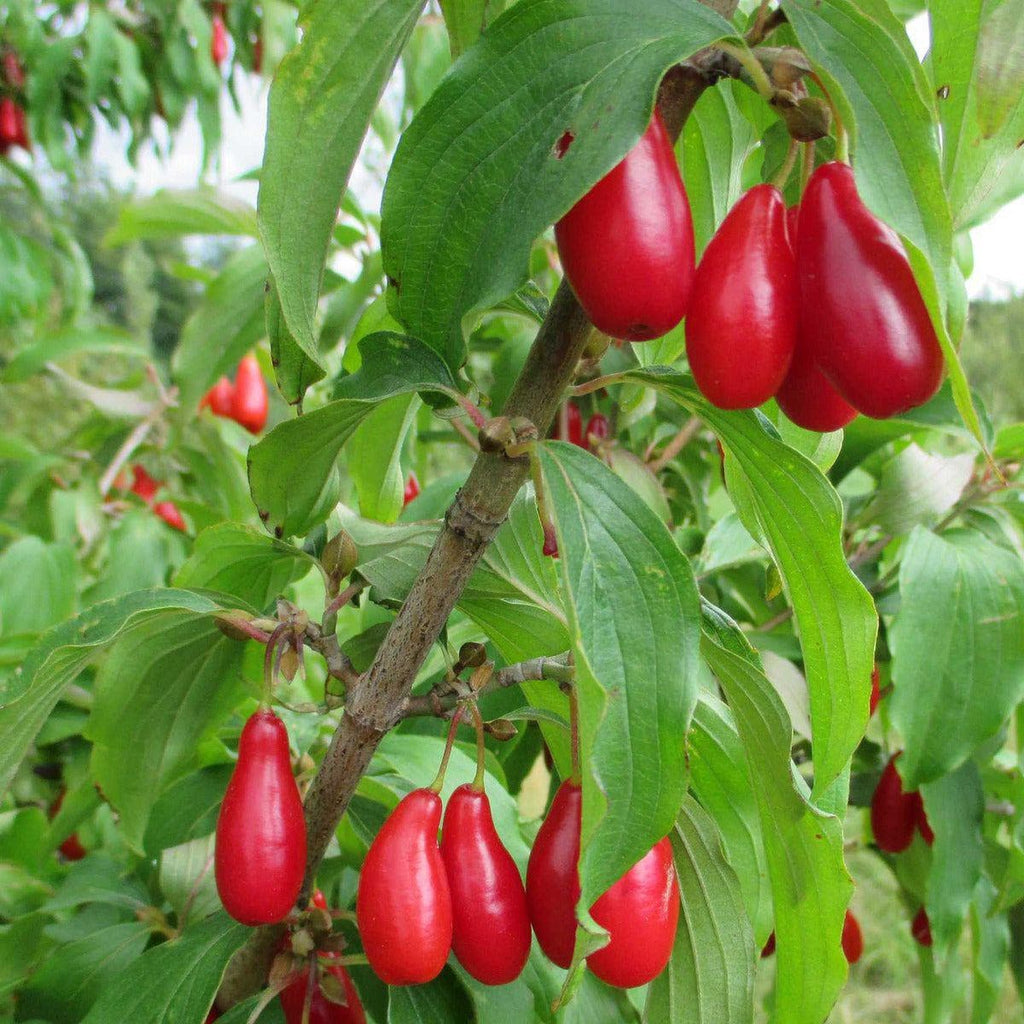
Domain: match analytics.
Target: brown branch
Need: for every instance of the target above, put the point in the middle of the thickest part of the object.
(376, 701)
(685, 435)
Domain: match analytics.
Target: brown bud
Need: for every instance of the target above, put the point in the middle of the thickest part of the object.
(809, 120)
(496, 435)
(283, 967)
(233, 624)
(333, 989)
(501, 729)
(289, 663)
(472, 655)
(302, 943)
(339, 558)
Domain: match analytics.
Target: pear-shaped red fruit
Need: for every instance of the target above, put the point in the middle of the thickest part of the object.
(261, 834)
(853, 939)
(250, 403)
(220, 398)
(218, 40)
(404, 906)
(861, 311)
(490, 922)
(894, 813)
(171, 515)
(640, 912)
(143, 484)
(627, 245)
(741, 325)
(321, 1009)
(807, 396)
(552, 875)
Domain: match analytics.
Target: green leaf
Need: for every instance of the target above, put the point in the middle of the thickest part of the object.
(187, 809)
(634, 621)
(99, 880)
(374, 458)
(171, 214)
(228, 322)
(37, 585)
(440, 1002)
(132, 84)
(101, 54)
(323, 95)
(187, 880)
(999, 73)
(173, 982)
(244, 562)
(958, 649)
(141, 549)
(295, 368)
(59, 345)
(721, 780)
(803, 846)
(784, 497)
(710, 978)
(476, 177)
(990, 945)
(62, 654)
(955, 805)
(67, 984)
(466, 19)
(161, 688)
(291, 468)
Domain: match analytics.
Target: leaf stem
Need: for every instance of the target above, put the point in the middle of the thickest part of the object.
(753, 67)
(481, 750)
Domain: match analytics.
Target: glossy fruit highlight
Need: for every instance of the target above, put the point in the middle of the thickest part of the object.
(627, 245)
(404, 906)
(490, 921)
(861, 312)
(321, 1009)
(640, 912)
(261, 834)
(741, 325)
(250, 404)
(853, 939)
(552, 875)
(893, 812)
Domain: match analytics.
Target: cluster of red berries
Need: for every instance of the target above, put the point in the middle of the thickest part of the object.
(13, 122)
(419, 899)
(816, 306)
(146, 487)
(245, 401)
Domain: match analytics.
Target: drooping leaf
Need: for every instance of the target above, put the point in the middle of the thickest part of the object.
(958, 648)
(466, 19)
(37, 585)
(171, 214)
(478, 176)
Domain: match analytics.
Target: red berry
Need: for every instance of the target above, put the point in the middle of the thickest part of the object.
(9, 123)
(921, 928)
(257, 54)
(853, 940)
(218, 40)
(143, 484)
(321, 1009)
(412, 489)
(573, 426)
(921, 819)
(808, 398)
(212, 1015)
(876, 693)
(220, 398)
(861, 312)
(552, 875)
(170, 514)
(640, 912)
(404, 907)
(250, 403)
(893, 812)
(627, 245)
(261, 835)
(71, 848)
(597, 429)
(769, 947)
(319, 900)
(741, 325)
(490, 922)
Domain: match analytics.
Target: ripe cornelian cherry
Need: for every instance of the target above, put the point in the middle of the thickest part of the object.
(922, 820)
(552, 875)
(893, 812)
(573, 425)
(143, 484)
(640, 912)
(853, 939)
(12, 127)
(218, 40)
(321, 1009)
(627, 245)
(490, 922)
(404, 906)
(597, 429)
(741, 325)
(876, 693)
(921, 928)
(220, 398)
(249, 405)
(412, 489)
(808, 398)
(861, 311)
(260, 854)
(171, 515)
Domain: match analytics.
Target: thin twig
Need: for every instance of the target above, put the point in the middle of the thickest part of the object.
(685, 435)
